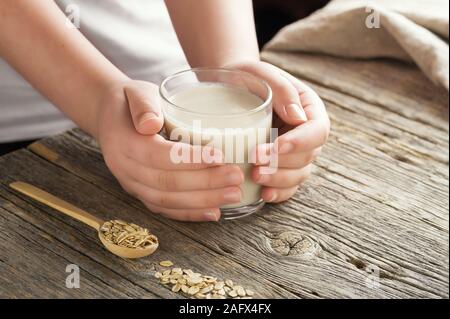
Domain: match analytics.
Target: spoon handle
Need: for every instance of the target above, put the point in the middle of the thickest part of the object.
(57, 203)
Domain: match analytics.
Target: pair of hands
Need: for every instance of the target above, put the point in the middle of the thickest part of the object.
(130, 117)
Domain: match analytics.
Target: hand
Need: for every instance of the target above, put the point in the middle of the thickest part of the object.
(303, 124)
(129, 119)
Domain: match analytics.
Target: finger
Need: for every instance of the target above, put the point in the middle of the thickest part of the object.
(315, 132)
(145, 109)
(264, 156)
(186, 200)
(282, 178)
(186, 180)
(189, 215)
(298, 160)
(286, 99)
(155, 151)
(277, 195)
(306, 137)
(311, 102)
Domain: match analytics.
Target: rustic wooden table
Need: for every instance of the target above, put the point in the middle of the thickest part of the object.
(372, 222)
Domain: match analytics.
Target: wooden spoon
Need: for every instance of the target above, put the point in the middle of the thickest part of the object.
(83, 216)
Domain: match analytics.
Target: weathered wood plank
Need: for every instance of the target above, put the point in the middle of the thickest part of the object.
(390, 145)
(26, 166)
(408, 136)
(327, 217)
(33, 264)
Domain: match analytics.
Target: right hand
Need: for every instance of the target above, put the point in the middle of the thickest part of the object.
(129, 119)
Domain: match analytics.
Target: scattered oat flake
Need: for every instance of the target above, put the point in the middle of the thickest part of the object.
(158, 274)
(166, 263)
(249, 292)
(196, 285)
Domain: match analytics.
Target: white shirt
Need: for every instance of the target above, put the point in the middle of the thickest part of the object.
(135, 35)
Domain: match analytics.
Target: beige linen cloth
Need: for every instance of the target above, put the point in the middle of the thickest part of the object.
(410, 30)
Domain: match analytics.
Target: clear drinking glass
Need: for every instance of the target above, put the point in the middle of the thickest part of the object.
(230, 110)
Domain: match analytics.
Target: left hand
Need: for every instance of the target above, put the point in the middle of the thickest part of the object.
(303, 124)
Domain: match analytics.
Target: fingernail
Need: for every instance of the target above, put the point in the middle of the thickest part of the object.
(234, 178)
(232, 195)
(147, 116)
(211, 216)
(285, 148)
(296, 112)
(272, 198)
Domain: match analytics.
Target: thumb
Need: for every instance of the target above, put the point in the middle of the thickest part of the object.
(144, 103)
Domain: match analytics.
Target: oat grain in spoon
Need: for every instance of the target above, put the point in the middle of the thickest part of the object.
(127, 235)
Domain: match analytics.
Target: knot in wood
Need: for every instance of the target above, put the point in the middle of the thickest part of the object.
(293, 243)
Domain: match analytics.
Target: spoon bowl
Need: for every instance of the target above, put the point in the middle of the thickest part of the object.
(125, 252)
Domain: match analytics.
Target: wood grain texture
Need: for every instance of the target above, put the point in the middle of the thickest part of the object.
(376, 206)
(137, 274)
(33, 264)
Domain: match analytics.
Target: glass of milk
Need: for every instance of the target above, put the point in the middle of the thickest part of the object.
(226, 109)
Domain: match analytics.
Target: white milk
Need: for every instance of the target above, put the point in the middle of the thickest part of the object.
(216, 104)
